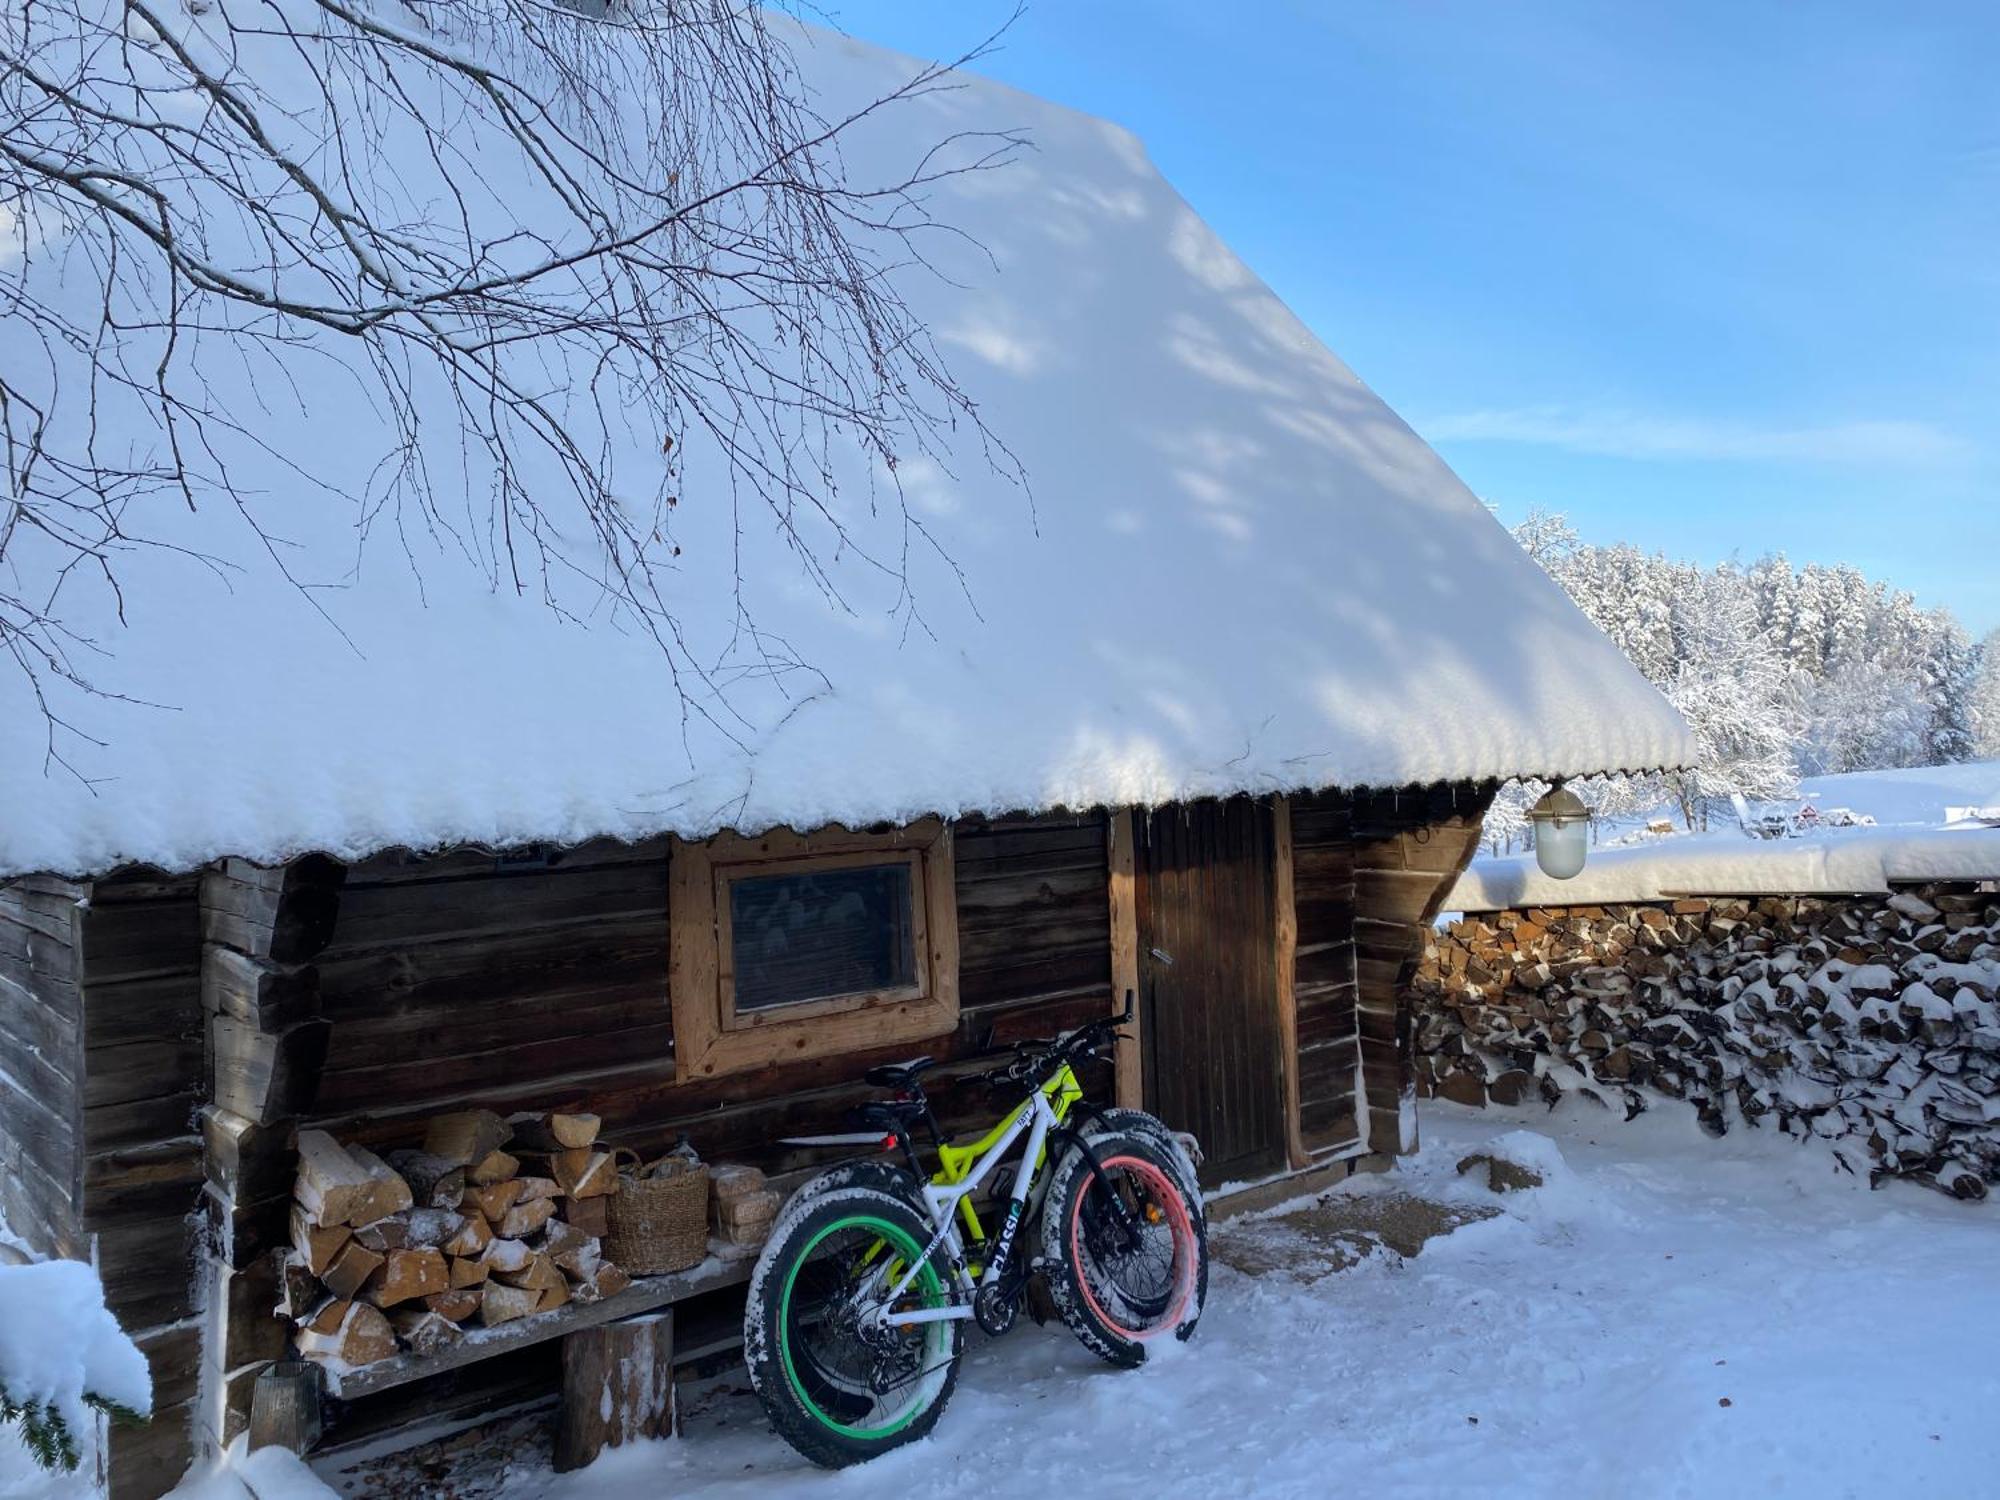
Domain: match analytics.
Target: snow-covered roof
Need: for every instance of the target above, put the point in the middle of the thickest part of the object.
(1849, 861)
(1235, 569)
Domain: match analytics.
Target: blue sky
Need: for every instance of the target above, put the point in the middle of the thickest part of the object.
(1716, 279)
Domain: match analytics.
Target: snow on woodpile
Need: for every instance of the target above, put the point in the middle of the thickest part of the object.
(1842, 862)
(1872, 1022)
(1234, 568)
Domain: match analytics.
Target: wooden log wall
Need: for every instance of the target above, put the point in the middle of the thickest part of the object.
(41, 1064)
(266, 1047)
(536, 985)
(139, 967)
(1408, 848)
(1324, 982)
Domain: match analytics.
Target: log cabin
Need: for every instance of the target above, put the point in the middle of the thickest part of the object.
(1210, 713)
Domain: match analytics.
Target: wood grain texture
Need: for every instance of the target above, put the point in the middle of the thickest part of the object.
(1285, 945)
(1124, 918)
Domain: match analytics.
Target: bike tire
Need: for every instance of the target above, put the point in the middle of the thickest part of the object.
(1115, 1321)
(815, 1383)
(1116, 1117)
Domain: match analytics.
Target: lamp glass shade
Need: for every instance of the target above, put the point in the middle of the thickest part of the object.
(1561, 847)
(1562, 833)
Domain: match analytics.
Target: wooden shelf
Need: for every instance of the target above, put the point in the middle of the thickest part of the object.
(647, 1294)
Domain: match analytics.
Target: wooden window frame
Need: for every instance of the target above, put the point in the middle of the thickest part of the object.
(711, 1039)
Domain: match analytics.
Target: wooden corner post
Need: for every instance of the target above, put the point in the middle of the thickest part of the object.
(1121, 855)
(1286, 937)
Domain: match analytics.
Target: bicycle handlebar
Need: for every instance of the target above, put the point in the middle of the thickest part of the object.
(1034, 1061)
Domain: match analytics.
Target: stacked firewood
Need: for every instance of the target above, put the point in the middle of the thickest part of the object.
(1869, 1022)
(489, 1221)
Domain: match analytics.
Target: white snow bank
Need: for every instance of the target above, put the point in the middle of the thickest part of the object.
(267, 1474)
(1240, 570)
(1840, 862)
(1849, 1333)
(1917, 796)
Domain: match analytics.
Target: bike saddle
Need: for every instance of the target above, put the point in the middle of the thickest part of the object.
(900, 1075)
(888, 1115)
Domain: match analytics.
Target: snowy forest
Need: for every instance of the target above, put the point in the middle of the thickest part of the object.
(1782, 671)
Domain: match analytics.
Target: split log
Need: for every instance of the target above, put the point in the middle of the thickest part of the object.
(387, 1192)
(407, 1275)
(331, 1184)
(434, 1181)
(553, 1297)
(555, 1132)
(467, 1136)
(431, 1228)
(503, 1304)
(585, 1174)
(523, 1219)
(351, 1269)
(507, 1255)
(423, 1331)
(494, 1166)
(316, 1244)
(329, 1315)
(591, 1215)
(457, 1305)
(618, 1387)
(471, 1237)
(467, 1272)
(363, 1337)
(384, 1235)
(537, 1189)
(492, 1201)
(540, 1273)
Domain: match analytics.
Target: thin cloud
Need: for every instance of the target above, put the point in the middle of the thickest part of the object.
(1874, 444)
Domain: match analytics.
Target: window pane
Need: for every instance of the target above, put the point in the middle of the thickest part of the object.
(815, 934)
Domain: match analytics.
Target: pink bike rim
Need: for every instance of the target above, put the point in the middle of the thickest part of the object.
(1168, 1196)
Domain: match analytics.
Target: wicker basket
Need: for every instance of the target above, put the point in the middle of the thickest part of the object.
(658, 1224)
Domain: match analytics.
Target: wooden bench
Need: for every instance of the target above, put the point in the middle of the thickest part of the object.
(597, 1338)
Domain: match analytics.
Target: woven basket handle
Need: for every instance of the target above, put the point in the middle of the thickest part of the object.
(619, 1153)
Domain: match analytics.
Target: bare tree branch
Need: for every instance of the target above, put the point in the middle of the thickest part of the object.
(310, 189)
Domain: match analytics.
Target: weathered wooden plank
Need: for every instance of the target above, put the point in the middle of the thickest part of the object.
(644, 1295)
(264, 1077)
(155, 1180)
(141, 1070)
(283, 915)
(138, 940)
(137, 1122)
(1123, 918)
(1285, 943)
(251, 1162)
(269, 996)
(380, 916)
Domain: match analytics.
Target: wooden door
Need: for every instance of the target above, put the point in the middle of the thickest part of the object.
(1212, 1049)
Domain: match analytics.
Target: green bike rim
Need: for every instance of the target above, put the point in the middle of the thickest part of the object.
(932, 1292)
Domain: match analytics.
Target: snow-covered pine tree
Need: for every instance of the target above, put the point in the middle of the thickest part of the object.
(1779, 668)
(1983, 699)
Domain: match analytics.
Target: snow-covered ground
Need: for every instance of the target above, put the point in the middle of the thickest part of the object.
(1916, 798)
(1918, 833)
(1670, 1315)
